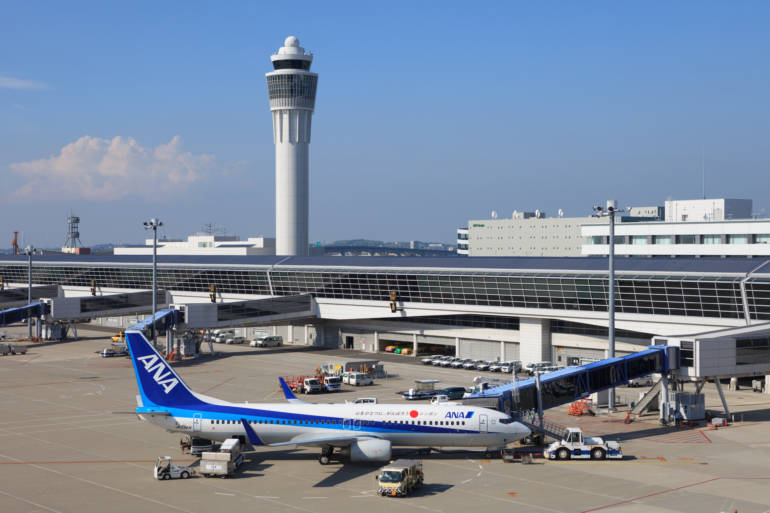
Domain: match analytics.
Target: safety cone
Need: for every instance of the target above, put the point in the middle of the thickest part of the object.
(628, 417)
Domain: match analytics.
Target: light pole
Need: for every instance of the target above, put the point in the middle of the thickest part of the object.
(28, 251)
(610, 212)
(153, 225)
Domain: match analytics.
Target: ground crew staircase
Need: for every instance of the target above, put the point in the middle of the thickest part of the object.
(648, 398)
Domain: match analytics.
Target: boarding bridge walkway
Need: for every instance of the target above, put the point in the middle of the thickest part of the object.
(257, 312)
(573, 383)
(20, 313)
(163, 320)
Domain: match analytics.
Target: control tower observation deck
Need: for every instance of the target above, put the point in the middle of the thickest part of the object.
(291, 88)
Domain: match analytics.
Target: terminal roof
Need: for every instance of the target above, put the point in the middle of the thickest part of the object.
(540, 265)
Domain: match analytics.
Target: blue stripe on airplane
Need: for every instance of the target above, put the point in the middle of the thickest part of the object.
(335, 423)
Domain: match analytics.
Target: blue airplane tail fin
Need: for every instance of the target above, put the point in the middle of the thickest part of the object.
(158, 384)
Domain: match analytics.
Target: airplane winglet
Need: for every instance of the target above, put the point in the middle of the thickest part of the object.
(251, 434)
(288, 393)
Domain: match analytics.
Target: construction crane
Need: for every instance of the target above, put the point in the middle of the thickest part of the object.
(15, 244)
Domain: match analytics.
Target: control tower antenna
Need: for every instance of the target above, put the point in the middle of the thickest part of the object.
(291, 88)
(73, 234)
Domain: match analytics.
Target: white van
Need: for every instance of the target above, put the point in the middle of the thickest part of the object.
(271, 341)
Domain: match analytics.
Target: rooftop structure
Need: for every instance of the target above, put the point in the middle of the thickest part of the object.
(204, 244)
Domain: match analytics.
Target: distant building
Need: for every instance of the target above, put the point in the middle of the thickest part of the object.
(728, 238)
(535, 234)
(707, 210)
(219, 245)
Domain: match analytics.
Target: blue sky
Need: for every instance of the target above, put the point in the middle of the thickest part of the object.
(428, 113)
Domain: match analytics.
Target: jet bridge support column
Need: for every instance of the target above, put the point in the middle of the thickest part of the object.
(663, 401)
(722, 397)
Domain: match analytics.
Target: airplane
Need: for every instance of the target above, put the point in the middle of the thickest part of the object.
(360, 432)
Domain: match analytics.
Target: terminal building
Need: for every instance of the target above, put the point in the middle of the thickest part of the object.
(532, 309)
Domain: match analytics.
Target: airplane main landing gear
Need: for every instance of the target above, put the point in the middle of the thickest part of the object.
(326, 455)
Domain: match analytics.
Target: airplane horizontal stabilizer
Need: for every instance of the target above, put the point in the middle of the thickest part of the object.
(288, 393)
(251, 434)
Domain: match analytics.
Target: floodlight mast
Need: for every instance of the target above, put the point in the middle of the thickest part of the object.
(610, 212)
(153, 224)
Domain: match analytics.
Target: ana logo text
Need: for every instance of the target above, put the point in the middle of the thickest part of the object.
(458, 415)
(163, 375)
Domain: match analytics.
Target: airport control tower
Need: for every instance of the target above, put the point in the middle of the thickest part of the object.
(291, 87)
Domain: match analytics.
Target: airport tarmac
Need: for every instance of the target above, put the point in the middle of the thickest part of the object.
(68, 443)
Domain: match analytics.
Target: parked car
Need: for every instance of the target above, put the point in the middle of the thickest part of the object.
(235, 340)
(437, 361)
(644, 381)
(482, 365)
(359, 378)
(458, 364)
(449, 361)
(531, 368)
(471, 365)
(269, 341)
(346, 377)
(453, 392)
(429, 359)
(509, 367)
(495, 367)
(390, 349)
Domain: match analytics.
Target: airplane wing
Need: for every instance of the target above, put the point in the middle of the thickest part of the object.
(288, 393)
(314, 439)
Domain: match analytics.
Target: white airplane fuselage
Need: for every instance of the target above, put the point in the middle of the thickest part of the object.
(401, 424)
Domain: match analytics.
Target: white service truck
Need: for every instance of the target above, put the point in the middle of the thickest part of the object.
(224, 462)
(574, 446)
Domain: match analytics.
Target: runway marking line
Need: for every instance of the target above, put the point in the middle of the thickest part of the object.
(627, 501)
(209, 389)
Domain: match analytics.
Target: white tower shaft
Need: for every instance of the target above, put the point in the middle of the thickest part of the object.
(292, 87)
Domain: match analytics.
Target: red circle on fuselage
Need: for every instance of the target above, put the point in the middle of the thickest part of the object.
(414, 414)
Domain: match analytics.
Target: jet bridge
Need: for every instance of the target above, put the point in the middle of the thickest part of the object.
(269, 311)
(573, 383)
(20, 313)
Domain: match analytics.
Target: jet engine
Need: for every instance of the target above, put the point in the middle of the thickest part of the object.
(372, 449)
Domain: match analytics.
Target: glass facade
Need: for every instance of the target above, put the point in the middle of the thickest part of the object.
(737, 239)
(292, 90)
(469, 320)
(686, 239)
(558, 326)
(712, 239)
(643, 294)
(639, 239)
(752, 351)
(662, 239)
(292, 64)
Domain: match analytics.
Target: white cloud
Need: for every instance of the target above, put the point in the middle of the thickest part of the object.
(93, 168)
(20, 83)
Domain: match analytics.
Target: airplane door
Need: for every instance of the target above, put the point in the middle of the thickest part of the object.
(482, 423)
(197, 422)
